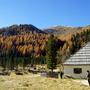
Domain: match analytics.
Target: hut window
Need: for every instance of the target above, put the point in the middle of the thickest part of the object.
(77, 70)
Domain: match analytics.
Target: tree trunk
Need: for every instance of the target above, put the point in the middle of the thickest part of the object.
(52, 70)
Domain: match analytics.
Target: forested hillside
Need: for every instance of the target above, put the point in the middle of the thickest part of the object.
(23, 45)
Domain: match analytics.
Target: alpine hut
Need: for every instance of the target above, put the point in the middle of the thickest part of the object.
(78, 64)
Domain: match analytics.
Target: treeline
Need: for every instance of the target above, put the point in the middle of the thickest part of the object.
(22, 50)
(73, 43)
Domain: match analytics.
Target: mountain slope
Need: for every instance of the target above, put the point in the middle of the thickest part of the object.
(20, 29)
(62, 30)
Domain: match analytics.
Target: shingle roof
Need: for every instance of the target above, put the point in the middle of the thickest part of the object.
(81, 57)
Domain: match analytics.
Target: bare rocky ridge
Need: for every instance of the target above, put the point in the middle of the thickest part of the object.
(62, 30)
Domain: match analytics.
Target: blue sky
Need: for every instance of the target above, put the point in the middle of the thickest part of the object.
(45, 13)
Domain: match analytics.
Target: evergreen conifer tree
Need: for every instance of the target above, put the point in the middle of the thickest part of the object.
(51, 51)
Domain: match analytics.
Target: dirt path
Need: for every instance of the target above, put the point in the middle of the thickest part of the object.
(85, 82)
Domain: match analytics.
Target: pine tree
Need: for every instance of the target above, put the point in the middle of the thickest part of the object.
(51, 51)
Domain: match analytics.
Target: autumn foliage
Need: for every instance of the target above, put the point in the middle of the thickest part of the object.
(25, 46)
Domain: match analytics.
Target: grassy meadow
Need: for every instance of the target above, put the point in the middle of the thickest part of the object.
(36, 82)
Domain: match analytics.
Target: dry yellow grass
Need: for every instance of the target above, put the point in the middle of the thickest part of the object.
(35, 82)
